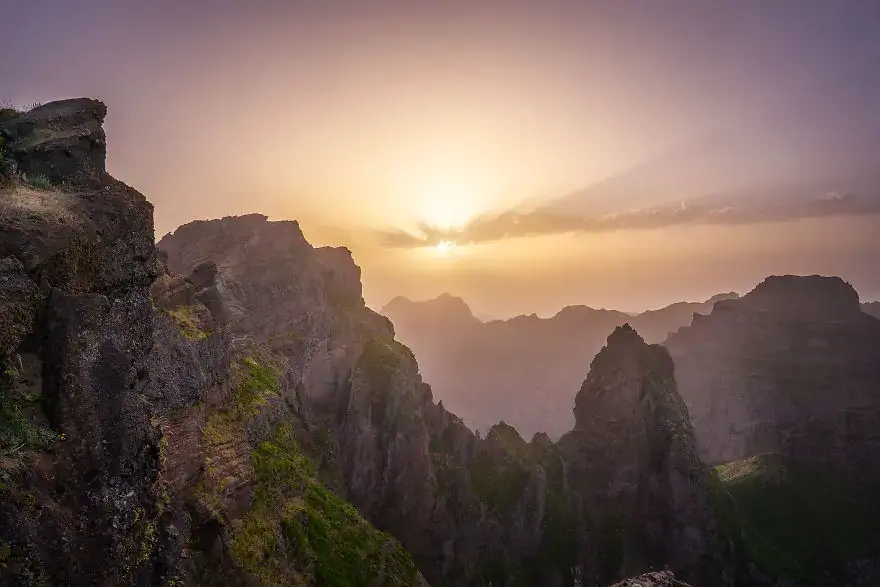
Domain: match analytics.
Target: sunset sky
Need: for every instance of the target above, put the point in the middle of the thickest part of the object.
(614, 154)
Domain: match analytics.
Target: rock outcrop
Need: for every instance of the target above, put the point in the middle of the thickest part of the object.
(791, 368)
(655, 579)
(78, 452)
(633, 459)
(140, 442)
(525, 368)
(61, 141)
(358, 403)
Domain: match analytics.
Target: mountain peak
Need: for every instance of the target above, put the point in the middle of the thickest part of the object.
(624, 335)
(444, 307)
(808, 296)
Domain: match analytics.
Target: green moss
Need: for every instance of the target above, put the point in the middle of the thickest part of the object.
(256, 381)
(5, 551)
(792, 522)
(223, 427)
(298, 532)
(17, 432)
(186, 319)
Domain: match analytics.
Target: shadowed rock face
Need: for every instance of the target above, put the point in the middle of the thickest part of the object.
(791, 368)
(79, 453)
(657, 579)
(633, 458)
(62, 141)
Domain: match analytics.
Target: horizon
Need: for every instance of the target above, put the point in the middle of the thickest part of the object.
(633, 312)
(522, 159)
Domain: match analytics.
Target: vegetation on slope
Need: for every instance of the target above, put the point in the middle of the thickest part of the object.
(19, 432)
(295, 530)
(791, 522)
(187, 320)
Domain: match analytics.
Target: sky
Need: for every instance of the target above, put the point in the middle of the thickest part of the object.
(522, 155)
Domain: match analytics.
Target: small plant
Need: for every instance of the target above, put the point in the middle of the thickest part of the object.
(8, 108)
(41, 182)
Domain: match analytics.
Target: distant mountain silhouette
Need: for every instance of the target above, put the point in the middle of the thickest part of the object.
(520, 370)
(872, 308)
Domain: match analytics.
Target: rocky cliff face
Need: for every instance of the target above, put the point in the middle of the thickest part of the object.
(470, 510)
(228, 411)
(78, 452)
(357, 400)
(791, 368)
(140, 443)
(633, 458)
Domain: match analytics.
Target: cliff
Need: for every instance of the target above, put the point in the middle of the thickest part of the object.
(140, 442)
(226, 410)
(633, 459)
(79, 454)
(791, 368)
(783, 387)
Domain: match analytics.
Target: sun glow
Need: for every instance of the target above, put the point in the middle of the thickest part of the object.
(444, 247)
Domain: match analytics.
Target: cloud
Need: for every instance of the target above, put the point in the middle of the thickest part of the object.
(515, 224)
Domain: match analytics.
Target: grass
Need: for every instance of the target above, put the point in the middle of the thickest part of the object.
(792, 522)
(186, 319)
(17, 432)
(257, 381)
(299, 532)
(296, 531)
(41, 182)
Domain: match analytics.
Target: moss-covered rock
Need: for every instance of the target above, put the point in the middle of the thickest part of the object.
(298, 532)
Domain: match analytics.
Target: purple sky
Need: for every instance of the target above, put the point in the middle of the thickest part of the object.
(376, 116)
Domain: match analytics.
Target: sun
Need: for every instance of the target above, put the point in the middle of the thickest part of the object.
(444, 247)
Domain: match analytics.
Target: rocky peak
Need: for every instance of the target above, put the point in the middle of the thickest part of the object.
(443, 310)
(731, 295)
(266, 274)
(620, 374)
(807, 298)
(633, 454)
(777, 371)
(61, 141)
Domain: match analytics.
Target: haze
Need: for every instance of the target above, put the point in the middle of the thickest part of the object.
(524, 156)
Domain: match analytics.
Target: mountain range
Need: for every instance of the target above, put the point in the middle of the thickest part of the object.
(223, 409)
(521, 370)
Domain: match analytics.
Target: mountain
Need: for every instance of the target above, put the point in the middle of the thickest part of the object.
(521, 370)
(779, 369)
(140, 444)
(226, 410)
(633, 459)
(872, 308)
(783, 387)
